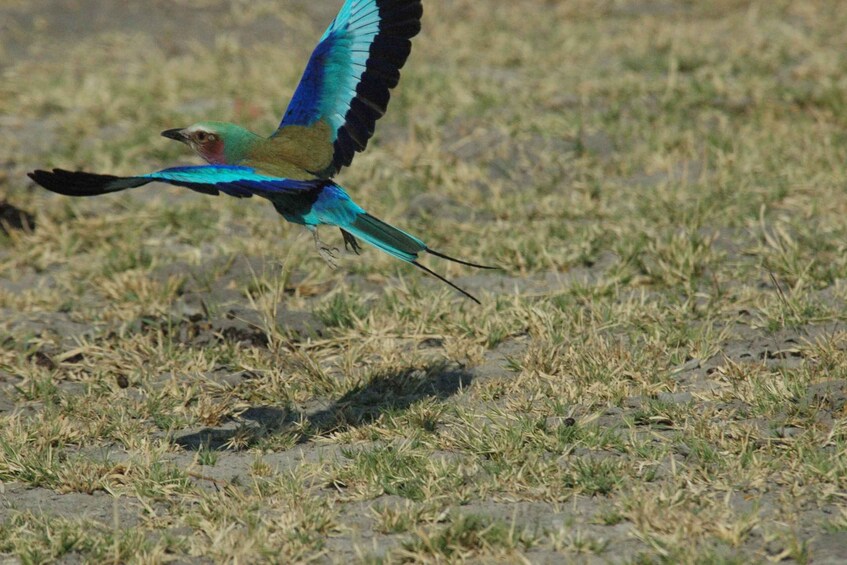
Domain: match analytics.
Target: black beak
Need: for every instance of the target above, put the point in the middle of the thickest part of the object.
(174, 134)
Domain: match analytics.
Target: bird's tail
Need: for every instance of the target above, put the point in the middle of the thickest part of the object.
(402, 245)
(386, 237)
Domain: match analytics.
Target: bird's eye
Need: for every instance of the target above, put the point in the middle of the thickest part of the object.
(200, 136)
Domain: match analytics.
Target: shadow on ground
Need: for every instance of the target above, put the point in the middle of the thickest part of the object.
(388, 392)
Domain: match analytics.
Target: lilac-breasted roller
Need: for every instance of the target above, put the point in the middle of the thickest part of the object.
(343, 92)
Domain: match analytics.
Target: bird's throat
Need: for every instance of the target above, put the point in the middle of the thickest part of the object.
(213, 152)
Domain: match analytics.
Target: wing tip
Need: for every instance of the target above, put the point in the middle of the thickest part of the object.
(80, 183)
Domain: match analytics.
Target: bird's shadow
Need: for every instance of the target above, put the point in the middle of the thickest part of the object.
(384, 392)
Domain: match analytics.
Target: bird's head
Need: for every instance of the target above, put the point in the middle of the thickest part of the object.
(219, 143)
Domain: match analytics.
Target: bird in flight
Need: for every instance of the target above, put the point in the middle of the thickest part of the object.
(344, 90)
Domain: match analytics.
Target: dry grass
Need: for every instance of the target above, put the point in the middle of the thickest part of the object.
(658, 375)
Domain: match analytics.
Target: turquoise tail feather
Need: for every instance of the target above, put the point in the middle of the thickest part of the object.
(400, 244)
(386, 237)
(330, 205)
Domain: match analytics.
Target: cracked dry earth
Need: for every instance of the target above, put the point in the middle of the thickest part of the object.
(657, 375)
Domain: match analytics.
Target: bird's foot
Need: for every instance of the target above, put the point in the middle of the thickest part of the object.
(330, 255)
(351, 243)
(327, 253)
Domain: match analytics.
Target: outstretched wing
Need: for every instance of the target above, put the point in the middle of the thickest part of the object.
(240, 182)
(345, 88)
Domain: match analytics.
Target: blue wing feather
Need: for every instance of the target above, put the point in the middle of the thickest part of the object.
(350, 73)
(237, 181)
(303, 109)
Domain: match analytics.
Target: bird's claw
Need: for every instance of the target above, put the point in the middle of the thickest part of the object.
(351, 243)
(330, 255)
